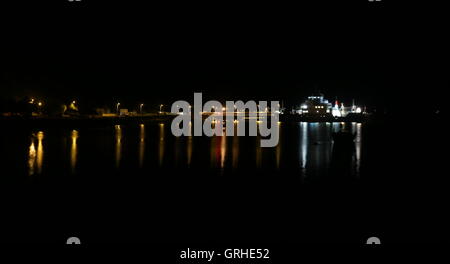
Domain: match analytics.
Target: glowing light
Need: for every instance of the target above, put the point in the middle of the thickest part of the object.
(358, 110)
(336, 113)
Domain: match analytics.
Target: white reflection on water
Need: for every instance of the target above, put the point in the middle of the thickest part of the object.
(356, 130)
(303, 144)
(141, 145)
(36, 156)
(73, 151)
(118, 145)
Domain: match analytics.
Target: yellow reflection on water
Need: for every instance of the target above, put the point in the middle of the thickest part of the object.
(218, 151)
(36, 156)
(141, 146)
(40, 152)
(161, 144)
(31, 158)
(223, 151)
(118, 145)
(278, 155)
(73, 151)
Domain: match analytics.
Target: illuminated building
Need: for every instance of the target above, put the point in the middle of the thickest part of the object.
(317, 106)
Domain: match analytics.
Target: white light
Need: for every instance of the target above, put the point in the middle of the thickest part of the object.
(358, 110)
(336, 113)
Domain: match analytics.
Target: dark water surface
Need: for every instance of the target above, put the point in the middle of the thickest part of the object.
(138, 182)
(304, 151)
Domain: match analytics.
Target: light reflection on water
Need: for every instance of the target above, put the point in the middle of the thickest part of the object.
(36, 156)
(73, 151)
(141, 145)
(31, 158)
(356, 130)
(161, 144)
(303, 144)
(310, 153)
(118, 139)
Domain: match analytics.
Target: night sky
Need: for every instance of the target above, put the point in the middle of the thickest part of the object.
(384, 56)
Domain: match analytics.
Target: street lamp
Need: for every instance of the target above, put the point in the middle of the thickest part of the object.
(160, 108)
(117, 108)
(39, 107)
(140, 107)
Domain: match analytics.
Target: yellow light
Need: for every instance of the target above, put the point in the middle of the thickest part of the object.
(39, 104)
